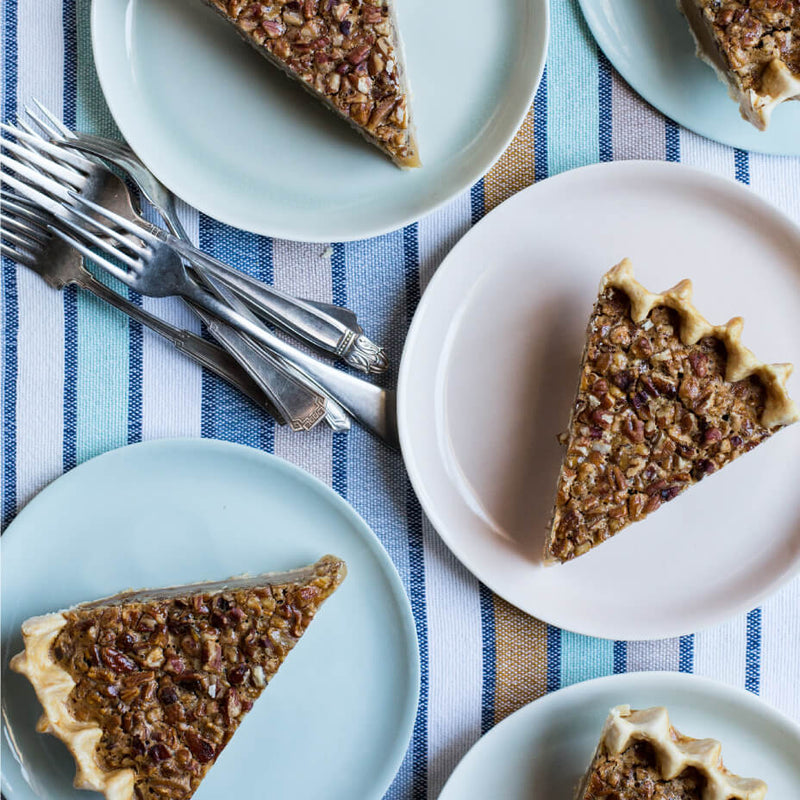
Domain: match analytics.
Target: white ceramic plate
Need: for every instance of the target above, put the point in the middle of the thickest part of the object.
(232, 136)
(541, 751)
(176, 511)
(652, 48)
(489, 373)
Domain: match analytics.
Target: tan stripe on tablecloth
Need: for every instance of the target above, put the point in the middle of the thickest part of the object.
(515, 169)
(521, 658)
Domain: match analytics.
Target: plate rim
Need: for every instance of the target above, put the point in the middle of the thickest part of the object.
(405, 387)
(720, 690)
(592, 15)
(393, 761)
(540, 34)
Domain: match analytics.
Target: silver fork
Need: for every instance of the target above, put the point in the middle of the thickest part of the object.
(301, 401)
(59, 265)
(154, 268)
(322, 325)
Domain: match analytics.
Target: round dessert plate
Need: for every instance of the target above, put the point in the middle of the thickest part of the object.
(338, 715)
(651, 46)
(542, 750)
(488, 379)
(231, 135)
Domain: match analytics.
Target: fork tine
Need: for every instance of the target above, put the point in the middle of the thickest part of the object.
(98, 146)
(109, 248)
(119, 222)
(20, 256)
(11, 234)
(21, 205)
(26, 212)
(41, 182)
(112, 269)
(59, 152)
(55, 127)
(26, 190)
(17, 227)
(75, 179)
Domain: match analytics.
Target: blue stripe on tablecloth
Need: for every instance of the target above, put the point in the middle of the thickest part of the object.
(540, 130)
(338, 275)
(226, 413)
(489, 659)
(741, 161)
(620, 657)
(10, 322)
(477, 201)
(416, 550)
(553, 658)
(135, 353)
(340, 440)
(605, 118)
(69, 446)
(752, 679)
(416, 564)
(686, 653)
(672, 135)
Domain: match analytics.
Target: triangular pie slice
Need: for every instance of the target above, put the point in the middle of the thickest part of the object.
(147, 687)
(642, 757)
(753, 46)
(348, 54)
(664, 399)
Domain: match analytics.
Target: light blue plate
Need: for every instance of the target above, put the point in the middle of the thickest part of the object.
(336, 720)
(649, 43)
(541, 751)
(230, 135)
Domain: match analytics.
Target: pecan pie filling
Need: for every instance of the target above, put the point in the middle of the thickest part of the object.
(653, 415)
(166, 680)
(634, 775)
(348, 54)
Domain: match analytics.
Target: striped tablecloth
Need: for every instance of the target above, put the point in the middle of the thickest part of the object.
(79, 379)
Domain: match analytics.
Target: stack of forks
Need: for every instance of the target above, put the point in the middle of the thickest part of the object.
(61, 203)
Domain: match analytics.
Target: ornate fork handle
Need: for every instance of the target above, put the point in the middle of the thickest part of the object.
(372, 406)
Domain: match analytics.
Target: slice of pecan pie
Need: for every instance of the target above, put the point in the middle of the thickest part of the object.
(664, 399)
(347, 54)
(641, 755)
(754, 47)
(146, 688)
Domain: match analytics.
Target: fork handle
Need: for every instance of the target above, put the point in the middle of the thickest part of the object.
(373, 407)
(309, 321)
(206, 354)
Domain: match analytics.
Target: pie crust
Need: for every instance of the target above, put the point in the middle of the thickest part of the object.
(753, 46)
(54, 685)
(674, 755)
(780, 409)
(665, 398)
